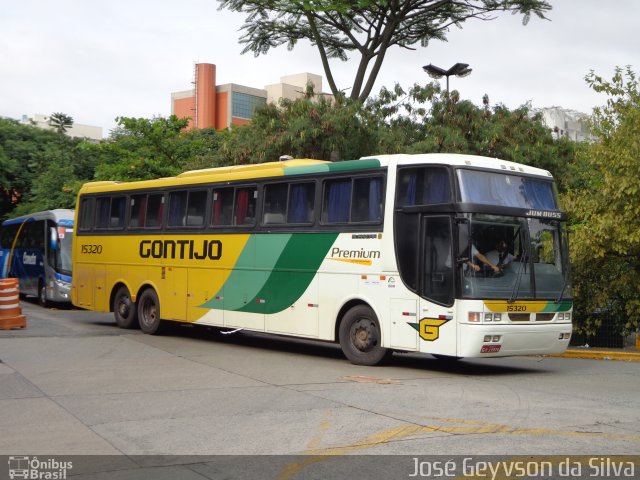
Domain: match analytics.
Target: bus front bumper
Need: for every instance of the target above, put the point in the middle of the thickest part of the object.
(512, 340)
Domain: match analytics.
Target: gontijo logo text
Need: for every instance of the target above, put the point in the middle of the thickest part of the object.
(182, 249)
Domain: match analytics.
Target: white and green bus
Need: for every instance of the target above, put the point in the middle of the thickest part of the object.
(382, 254)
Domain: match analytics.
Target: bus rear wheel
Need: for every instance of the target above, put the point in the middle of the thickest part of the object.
(149, 312)
(360, 337)
(124, 310)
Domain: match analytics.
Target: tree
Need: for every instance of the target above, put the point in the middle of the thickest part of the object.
(60, 122)
(25, 152)
(366, 28)
(606, 209)
(427, 120)
(141, 149)
(309, 127)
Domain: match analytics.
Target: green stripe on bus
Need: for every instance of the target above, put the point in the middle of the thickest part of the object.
(563, 306)
(354, 165)
(347, 165)
(250, 272)
(306, 169)
(292, 273)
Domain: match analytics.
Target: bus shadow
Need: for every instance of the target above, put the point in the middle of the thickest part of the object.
(328, 350)
(257, 340)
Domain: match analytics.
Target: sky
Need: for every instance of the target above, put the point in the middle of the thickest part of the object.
(98, 60)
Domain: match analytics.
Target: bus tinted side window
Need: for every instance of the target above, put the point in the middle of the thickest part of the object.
(177, 209)
(110, 212)
(196, 206)
(301, 201)
(337, 201)
(155, 210)
(244, 210)
(187, 208)
(85, 217)
(353, 201)
(138, 206)
(146, 211)
(367, 200)
(423, 186)
(275, 204)
(222, 207)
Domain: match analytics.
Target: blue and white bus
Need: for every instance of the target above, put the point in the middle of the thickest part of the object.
(36, 249)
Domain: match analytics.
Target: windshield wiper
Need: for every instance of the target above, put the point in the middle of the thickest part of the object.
(521, 271)
(564, 286)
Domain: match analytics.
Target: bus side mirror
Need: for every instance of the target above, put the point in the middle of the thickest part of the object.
(53, 238)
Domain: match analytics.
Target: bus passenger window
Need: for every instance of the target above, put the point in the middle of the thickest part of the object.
(110, 212)
(337, 199)
(155, 209)
(423, 186)
(275, 204)
(367, 200)
(222, 207)
(301, 199)
(103, 207)
(177, 209)
(245, 206)
(86, 214)
(137, 211)
(196, 207)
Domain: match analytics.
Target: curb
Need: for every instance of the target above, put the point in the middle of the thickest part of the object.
(600, 355)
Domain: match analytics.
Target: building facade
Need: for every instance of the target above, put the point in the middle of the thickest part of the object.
(209, 105)
(77, 130)
(566, 123)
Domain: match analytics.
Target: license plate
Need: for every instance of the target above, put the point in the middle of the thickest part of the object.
(490, 348)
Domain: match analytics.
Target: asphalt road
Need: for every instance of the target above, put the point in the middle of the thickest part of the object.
(72, 383)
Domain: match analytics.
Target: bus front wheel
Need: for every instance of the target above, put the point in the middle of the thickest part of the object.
(149, 312)
(42, 294)
(360, 337)
(124, 310)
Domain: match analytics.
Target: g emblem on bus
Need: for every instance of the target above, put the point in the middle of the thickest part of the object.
(429, 328)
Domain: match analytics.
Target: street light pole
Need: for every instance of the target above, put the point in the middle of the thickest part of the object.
(459, 70)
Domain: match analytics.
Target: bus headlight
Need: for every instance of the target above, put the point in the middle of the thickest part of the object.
(62, 285)
(564, 316)
(492, 317)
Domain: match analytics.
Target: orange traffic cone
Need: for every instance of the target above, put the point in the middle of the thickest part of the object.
(10, 311)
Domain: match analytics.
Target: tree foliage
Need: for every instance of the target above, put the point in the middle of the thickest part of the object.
(60, 122)
(606, 208)
(25, 155)
(309, 127)
(142, 149)
(364, 28)
(427, 120)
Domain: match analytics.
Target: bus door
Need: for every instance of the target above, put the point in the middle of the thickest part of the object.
(437, 328)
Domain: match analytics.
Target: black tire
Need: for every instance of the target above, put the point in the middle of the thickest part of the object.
(124, 309)
(360, 337)
(149, 312)
(42, 295)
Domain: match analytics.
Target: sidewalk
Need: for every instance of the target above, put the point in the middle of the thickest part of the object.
(628, 354)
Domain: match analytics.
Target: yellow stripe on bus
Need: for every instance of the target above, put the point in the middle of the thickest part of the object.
(501, 306)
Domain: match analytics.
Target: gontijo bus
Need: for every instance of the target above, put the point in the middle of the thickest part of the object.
(376, 254)
(36, 249)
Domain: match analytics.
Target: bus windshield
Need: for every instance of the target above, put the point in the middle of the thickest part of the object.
(531, 256)
(62, 257)
(491, 188)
